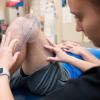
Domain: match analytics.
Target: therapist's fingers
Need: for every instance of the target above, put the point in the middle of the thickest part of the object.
(52, 59)
(51, 43)
(3, 40)
(8, 39)
(49, 47)
(12, 45)
(16, 56)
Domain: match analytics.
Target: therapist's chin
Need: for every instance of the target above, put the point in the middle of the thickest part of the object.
(97, 44)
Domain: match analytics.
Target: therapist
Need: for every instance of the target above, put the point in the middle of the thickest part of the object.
(87, 87)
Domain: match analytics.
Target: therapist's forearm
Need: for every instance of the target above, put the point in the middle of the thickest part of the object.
(89, 57)
(5, 91)
(81, 64)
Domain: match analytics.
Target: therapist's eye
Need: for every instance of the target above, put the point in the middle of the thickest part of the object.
(78, 17)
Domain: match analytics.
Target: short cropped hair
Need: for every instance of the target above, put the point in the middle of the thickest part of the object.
(25, 29)
(96, 5)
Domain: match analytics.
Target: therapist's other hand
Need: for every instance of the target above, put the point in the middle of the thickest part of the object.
(65, 44)
(7, 55)
(73, 47)
(60, 55)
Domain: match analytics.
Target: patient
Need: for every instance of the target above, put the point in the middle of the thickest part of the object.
(38, 72)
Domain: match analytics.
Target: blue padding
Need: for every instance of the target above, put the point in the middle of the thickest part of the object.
(75, 72)
(23, 94)
(94, 51)
(19, 4)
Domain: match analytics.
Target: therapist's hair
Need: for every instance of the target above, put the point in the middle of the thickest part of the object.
(96, 5)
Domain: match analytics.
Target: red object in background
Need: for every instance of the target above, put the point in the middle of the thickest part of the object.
(0, 0)
(13, 3)
(27, 4)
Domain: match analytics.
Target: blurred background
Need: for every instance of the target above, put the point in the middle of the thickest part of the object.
(54, 15)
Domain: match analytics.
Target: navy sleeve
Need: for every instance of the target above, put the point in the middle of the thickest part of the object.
(87, 87)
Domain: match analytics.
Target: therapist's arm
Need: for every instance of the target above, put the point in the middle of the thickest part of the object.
(8, 59)
(79, 50)
(5, 92)
(63, 57)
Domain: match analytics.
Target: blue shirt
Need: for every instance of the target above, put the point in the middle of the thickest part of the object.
(74, 72)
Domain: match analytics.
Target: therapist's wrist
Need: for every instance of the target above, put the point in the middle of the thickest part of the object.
(4, 72)
(7, 66)
(4, 78)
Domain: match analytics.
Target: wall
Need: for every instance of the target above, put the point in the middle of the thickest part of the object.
(12, 13)
(69, 33)
(59, 31)
(35, 7)
(2, 9)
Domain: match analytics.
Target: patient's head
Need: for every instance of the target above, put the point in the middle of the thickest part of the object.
(25, 30)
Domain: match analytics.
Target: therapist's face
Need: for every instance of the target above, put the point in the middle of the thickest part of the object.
(87, 19)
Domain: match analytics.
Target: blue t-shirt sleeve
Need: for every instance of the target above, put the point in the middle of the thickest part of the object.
(74, 71)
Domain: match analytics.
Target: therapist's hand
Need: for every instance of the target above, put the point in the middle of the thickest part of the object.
(7, 56)
(60, 55)
(73, 47)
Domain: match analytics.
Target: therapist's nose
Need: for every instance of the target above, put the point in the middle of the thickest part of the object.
(79, 27)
